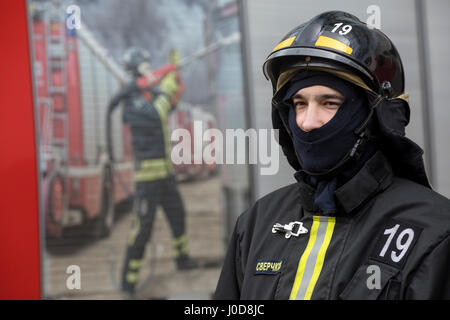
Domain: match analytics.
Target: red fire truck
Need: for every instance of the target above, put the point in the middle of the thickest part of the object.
(74, 79)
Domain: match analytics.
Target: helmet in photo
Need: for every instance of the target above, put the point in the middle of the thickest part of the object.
(133, 57)
(340, 41)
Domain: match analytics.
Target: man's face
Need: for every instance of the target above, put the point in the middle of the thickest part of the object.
(144, 68)
(315, 106)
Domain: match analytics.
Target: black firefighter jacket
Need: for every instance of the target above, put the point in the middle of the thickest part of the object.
(390, 240)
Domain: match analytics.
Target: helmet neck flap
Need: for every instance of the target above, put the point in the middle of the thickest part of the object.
(385, 124)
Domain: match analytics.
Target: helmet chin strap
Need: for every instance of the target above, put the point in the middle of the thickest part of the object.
(354, 153)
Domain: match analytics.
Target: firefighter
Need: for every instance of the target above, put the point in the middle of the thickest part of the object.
(148, 100)
(362, 221)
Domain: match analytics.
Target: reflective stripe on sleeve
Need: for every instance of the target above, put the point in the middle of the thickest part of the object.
(153, 169)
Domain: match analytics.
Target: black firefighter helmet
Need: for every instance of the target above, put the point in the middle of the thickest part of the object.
(339, 43)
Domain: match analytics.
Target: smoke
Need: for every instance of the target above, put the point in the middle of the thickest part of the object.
(204, 4)
(156, 25)
(120, 24)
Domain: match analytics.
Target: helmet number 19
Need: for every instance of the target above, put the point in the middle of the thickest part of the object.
(344, 30)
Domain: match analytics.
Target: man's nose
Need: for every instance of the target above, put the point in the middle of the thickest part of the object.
(310, 119)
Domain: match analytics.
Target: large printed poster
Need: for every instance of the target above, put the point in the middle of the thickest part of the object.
(125, 93)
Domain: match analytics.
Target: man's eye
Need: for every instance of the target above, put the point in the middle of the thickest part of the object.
(332, 104)
(299, 104)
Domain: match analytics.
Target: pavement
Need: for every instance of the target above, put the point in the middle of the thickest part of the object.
(100, 260)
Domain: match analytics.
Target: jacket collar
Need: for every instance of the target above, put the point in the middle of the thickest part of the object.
(375, 176)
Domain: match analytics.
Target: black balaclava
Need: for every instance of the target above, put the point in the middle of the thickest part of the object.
(321, 149)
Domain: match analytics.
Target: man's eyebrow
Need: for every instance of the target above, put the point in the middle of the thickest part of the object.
(297, 96)
(331, 96)
(322, 96)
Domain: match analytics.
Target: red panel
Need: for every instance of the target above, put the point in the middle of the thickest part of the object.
(19, 219)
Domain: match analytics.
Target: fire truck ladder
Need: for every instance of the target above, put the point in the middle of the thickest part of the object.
(56, 49)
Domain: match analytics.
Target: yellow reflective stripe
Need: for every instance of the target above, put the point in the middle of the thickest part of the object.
(328, 42)
(321, 257)
(170, 84)
(312, 259)
(150, 176)
(180, 245)
(153, 169)
(152, 164)
(162, 106)
(135, 263)
(303, 260)
(285, 43)
(180, 240)
(132, 277)
(135, 230)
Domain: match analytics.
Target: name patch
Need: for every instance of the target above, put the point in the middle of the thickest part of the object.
(268, 266)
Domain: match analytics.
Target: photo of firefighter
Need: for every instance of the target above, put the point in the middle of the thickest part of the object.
(121, 220)
(149, 98)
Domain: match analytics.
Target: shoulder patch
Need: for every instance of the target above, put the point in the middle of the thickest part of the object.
(269, 266)
(395, 242)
